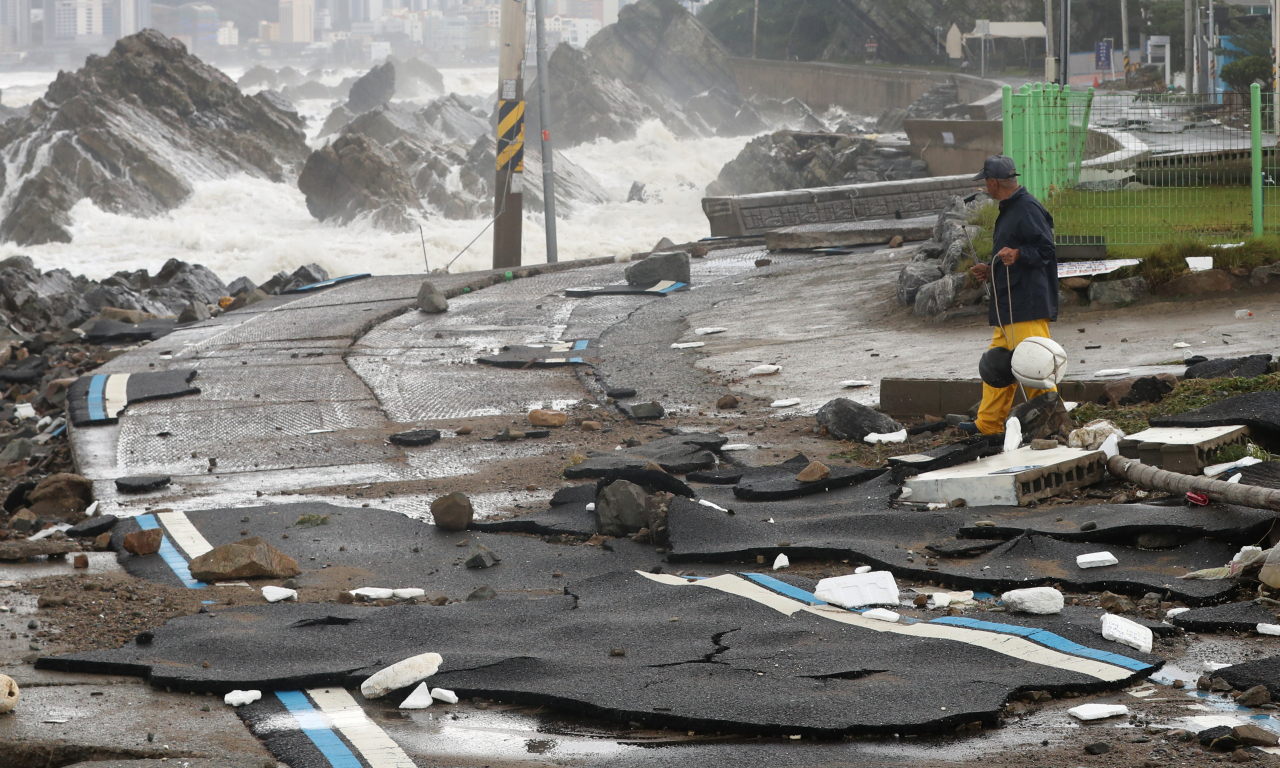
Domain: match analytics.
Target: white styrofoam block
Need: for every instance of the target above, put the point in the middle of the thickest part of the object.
(92, 510)
(1110, 446)
(859, 589)
(736, 447)
(1237, 477)
(1096, 560)
(1174, 612)
(445, 695)
(1097, 711)
(862, 569)
(1043, 600)
(402, 674)
(1250, 552)
(941, 599)
(873, 438)
(708, 331)
(781, 562)
(688, 344)
(374, 593)
(1218, 469)
(764, 370)
(591, 507)
(405, 594)
(1126, 632)
(276, 594)
(787, 403)
(1012, 434)
(240, 698)
(1214, 666)
(880, 614)
(24, 411)
(1268, 629)
(855, 383)
(419, 699)
(713, 505)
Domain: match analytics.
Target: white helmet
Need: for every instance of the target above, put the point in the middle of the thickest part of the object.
(1039, 362)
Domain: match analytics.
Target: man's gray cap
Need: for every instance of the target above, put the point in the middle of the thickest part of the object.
(997, 167)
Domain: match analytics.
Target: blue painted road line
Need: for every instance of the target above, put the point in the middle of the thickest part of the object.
(1057, 642)
(97, 412)
(316, 728)
(330, 282)
(170, 554)
(577, 345)
(783, 588)
(670, 288)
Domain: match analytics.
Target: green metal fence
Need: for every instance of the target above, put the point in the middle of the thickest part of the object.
(1133, 170)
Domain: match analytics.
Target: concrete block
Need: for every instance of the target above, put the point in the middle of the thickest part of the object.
(1096, 560)
(1181, 449)
(859, 589)
(1127, 632)
(846, 233)
(1010, 478)
(1097, 711)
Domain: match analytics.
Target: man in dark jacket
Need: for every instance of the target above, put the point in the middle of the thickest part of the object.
(1023, 274)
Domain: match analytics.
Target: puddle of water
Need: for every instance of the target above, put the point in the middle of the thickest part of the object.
(43, 567)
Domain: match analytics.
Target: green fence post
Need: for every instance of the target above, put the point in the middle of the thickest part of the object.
(1255, 131)
(1006, 99)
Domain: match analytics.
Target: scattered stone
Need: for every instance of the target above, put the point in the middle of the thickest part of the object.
(847, 420)
(9, 694)
(763, 262)
(481, 556)
(646, 411)
(80, 561)
(1097, 748)
(727, 402)
(1241, 756)
(482, 593)
(814, 472)
(1255, 697)
(143, 543)
(431, 300)
(620, 393)
(542, 418)
(452, 512)
(1119, 292)
(509, 435)
(1090, 525)
(620, 509)
(1254, 736)
(62, 495)
(102, 542)
(251, 558)
(1041, 600)
(896, 242)
(416, 437)
(1043, 445)
(590, 426)
(17, 450)
(402, 674)
(141, 483)
(463, 431)
(658, 267)
(1114, 603)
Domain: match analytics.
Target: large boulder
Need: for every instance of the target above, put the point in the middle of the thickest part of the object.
(355, 177)
(250, 558)
(62, 495)
(937, 297)
(913, 277)
(374, 89)
(132, 131)
(1197, 283)
(659, 266)
(790, 159)
(1119, 292)
(620, 509)
(416, 79)
(847, 420)
(452, 512)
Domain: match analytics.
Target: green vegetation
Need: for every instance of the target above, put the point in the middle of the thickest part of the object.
(311, 521)
(1190, 395)
(1237, 452)
(1242, 73)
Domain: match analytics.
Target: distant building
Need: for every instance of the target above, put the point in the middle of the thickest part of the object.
(269, 31)
(71, 22)
(129, 17)
(228, 35)
(297, 21)
(200, 23)
(15, 24)
(577, 32)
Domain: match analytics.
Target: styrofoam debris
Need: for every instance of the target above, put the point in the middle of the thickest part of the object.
(47, 532)
(405, 594)
(1218, 469)
(873, 438)
(1250, 553)
(92, 510)
(688, 345)
(1042, 600)
(1091, 436)
(1012, 434)
(781, 562)
(941, 599)
(1096, 560)
(1097, 711)
(787, 403)
(906, 494)
(373, 593)
(1174, 612)
(445, 695)
(1199, 263)
(1244, 314)
(764, 370)
(402, 674)
(859, 589)
(714, 506)
(855, 383)
(862, 569)
(1235, 478)
(10, 693)
(276, 594)
(1126, 632)
(240, 698)
(736, 447)
(1268, 629)
(1112, 372)
(1111, 446)
(24, 411)
(421, 698)
(591, 507)
(1181, 345)
(880, 614)
(708, 331)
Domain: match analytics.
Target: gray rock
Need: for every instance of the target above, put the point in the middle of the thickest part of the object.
(481, 556)
(636, 195)
(931, 249)
(255, 297)
(936, 298)
(453, 513)
(1261, 275)
(356, 177)
(1255, 697)
(373, 89)
(92, 527)
(482, 593)
(1124, 291)
(17, 450)
(430, 299)
(620, 509)
(847, 420)
(913, 277)
(645, 411)
(141, 483)
(952, 256)
(194, 312)
(956, 211)
(673, 265)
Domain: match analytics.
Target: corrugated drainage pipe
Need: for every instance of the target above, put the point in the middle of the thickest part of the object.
(1174, 482)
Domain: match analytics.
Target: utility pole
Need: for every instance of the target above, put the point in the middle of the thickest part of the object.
(1124, 36)
(1064, 45)
(1188, 42)
(544, 104)
(1275, 60)
(508, 203)
(1049, 43)
(755, 28)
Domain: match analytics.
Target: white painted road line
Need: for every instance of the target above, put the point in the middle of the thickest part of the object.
(373, 744)
(184, 534)
(115, 396)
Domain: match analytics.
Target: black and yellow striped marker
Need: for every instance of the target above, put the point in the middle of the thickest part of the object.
(511, 136)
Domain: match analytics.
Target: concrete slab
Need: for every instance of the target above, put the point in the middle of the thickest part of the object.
(846, 233)
(1010, 478)
(1181, 449)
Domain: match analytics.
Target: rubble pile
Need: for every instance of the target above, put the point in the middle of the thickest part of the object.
(937, 280)
(799, 160)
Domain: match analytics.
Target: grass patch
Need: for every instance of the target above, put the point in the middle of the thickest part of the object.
(1233, 453)
(311, 521)
(1190, 395)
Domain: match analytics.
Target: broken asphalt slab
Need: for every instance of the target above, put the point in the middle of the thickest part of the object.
(1256, 410)
(778, 482)
(105, 331)
(1144, 525)
(99, 398)
(719, 654)
(677, 454)
(859, 524)
(1233, 617)
(803, 237)
(661, 288)
(580, 352)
